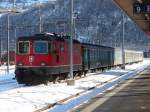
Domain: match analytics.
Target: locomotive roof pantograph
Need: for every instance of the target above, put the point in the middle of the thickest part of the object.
(48, 36)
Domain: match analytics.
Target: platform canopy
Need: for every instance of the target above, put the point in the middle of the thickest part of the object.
(138, 11)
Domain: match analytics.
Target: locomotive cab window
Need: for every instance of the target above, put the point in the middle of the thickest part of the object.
(23, 47)
(41, 47)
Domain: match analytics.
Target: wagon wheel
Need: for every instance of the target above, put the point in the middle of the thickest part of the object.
(84, 73)
(75, 75)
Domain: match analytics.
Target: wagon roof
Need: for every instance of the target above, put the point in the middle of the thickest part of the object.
(93, 45)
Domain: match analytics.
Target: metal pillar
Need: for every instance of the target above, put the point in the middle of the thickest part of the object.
(123, 34)
(8, 43)
(15, 43)
(1, 44)
(40, 18)
(14, 1)
(71, 81)
(71, 42)
(74, 27)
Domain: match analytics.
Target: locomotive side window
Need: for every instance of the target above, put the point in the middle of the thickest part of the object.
(62, 49)
(41, 47)
(23, 47)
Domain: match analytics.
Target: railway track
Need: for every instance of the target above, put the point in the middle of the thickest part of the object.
(7, 81)
(8, 84)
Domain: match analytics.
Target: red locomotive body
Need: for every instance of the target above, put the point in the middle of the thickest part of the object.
(44, 57)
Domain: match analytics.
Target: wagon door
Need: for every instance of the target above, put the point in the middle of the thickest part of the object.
(108, 58)
(85, 59)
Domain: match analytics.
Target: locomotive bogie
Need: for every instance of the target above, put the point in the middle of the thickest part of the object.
(37, 75)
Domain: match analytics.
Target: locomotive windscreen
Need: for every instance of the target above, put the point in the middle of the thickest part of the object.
(41, 47)
(23, 47)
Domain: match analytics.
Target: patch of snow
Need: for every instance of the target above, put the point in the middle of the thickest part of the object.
(3, 72)
(29, 99)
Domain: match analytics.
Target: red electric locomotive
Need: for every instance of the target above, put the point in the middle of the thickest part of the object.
(45, 57)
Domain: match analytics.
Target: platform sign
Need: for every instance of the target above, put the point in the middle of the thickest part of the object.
(141, 8)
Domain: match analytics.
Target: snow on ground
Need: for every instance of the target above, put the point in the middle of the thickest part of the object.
(28, 99)
(4, 74)
(6, 80)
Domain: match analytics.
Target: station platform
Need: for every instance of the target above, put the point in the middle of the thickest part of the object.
(132, 95)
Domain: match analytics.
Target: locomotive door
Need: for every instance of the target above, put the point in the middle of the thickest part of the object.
(57, 53)
(108, 58)
(62, 53)
(63, 56)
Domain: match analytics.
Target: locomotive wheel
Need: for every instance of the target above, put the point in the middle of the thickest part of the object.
(55, 78)
(19, 76)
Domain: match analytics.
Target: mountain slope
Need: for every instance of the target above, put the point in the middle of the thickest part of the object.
(100, 22)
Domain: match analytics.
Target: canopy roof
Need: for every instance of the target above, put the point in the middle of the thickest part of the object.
(141, 19)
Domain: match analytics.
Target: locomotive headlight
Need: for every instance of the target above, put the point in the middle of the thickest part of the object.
(43, 64)
(20, 64)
